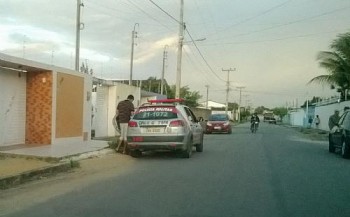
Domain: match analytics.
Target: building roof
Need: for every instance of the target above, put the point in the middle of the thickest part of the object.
(212, 104)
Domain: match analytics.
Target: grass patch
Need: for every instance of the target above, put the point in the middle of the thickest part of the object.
(113, 142)
(74, 163)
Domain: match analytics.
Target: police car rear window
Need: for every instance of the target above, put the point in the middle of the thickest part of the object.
(155, 113)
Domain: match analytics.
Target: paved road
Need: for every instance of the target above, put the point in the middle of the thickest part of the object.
(271, 173)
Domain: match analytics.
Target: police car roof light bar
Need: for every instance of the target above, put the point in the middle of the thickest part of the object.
(165, 100)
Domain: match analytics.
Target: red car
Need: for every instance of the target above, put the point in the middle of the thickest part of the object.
(219, 123)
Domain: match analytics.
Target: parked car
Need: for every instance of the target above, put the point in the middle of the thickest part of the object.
(272, 120)
(164, 125)
(339, 136)
(269, 117)
(218, 123)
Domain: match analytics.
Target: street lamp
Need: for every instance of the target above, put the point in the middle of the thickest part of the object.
(200, 39)
(133, 36)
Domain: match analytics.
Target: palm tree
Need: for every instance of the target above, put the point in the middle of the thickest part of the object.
(337, 63)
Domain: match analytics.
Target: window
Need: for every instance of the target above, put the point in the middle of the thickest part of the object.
(190, 114)
(218, 117)
(155, 113)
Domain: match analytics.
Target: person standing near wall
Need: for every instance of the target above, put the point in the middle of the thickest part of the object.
(317, 121)
(124, 111)
(310, 121)
(333, 120)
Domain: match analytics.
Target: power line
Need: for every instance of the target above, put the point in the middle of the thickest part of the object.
(200, 53)
(193, 41)
(290, 23)
(122, 13)
(143, 11)
(276, 39)
(208, 80)
(258, 15)
(165, 12)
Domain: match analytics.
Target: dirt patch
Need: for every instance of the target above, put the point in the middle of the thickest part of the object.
(12, 166)
(313, 134)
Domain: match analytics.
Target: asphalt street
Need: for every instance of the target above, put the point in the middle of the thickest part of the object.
(274, 172)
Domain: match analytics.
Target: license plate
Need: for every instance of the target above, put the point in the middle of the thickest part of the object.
(217, 128)
(155, 130)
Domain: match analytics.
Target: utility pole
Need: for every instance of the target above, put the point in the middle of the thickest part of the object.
(240, 102)
(206, 103)
(133, 36)
(179, 52)
(227, 85)
(79, 26)
(163, 69)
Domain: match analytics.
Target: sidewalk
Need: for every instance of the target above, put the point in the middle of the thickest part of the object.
(20, 163)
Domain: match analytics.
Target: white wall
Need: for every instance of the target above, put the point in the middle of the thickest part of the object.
(100, 119)
(87, 104)
(105, 102)
(119, 93)
(324, 112)
(12, 107)
(297, 117)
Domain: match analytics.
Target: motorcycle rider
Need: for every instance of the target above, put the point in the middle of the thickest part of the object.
(254, 118)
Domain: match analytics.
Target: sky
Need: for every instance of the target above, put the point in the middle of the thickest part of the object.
(270, 45)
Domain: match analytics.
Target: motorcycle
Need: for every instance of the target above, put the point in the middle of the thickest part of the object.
(254, 127)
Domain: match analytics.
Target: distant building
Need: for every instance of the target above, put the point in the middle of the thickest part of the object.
(211, 104)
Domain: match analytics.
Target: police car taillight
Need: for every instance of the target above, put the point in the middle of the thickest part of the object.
(132, 124)
(177, 123)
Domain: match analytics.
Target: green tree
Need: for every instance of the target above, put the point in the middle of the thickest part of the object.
(280, 111)
(232, 106)
(245, 113)
(152, 84)
(260, 110)
(191, 98)
(314, 99)
(337, 64)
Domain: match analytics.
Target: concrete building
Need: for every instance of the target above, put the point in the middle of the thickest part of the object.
(42, 104)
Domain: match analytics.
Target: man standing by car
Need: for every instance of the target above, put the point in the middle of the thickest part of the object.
(125, 109)
(333, 120)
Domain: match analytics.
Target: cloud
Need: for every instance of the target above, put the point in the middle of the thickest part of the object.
(151, 50)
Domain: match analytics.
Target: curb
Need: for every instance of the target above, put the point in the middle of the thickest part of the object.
(36, 174)
(62, 165)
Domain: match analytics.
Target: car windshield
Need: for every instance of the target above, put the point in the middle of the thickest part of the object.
(218, 118)
(155, 113)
